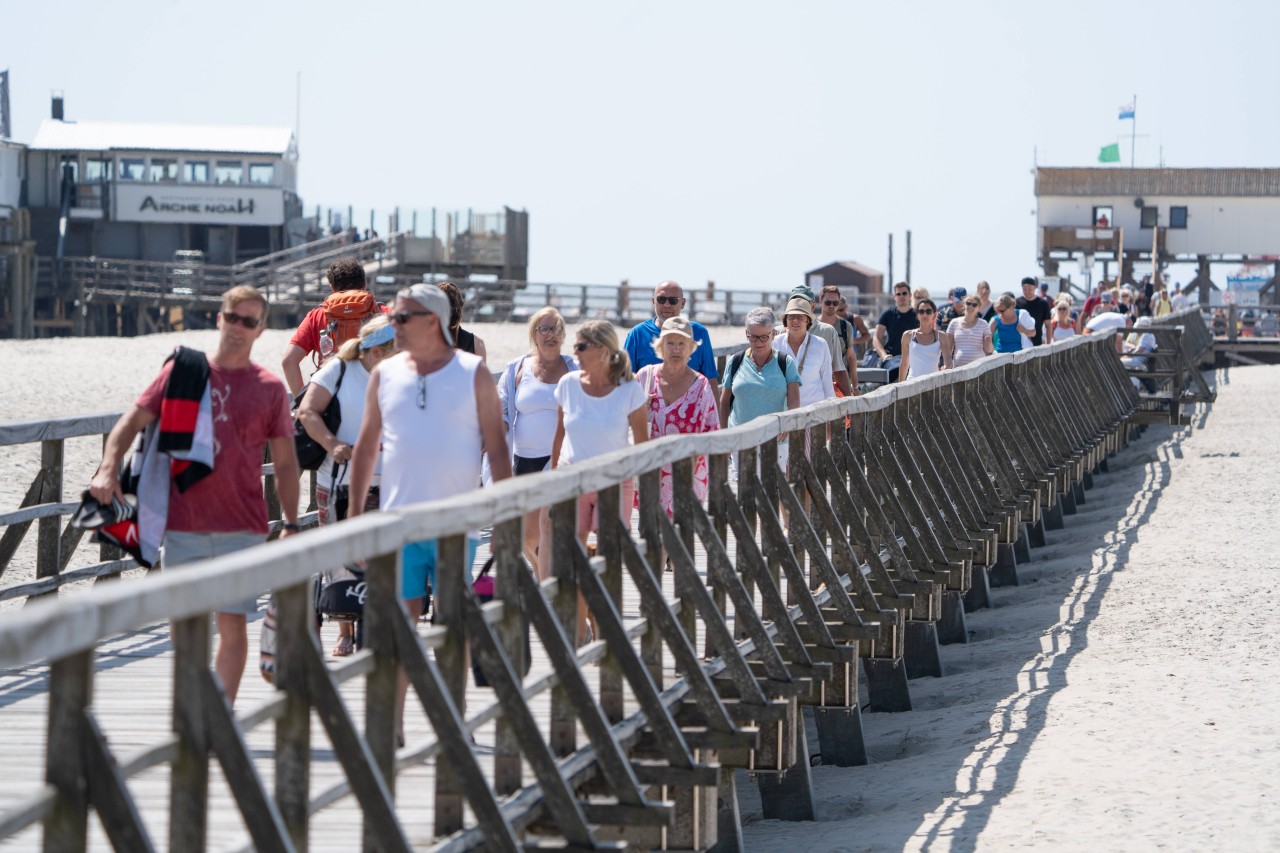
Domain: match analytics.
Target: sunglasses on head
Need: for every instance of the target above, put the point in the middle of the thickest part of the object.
(667, 300)
(240, 320)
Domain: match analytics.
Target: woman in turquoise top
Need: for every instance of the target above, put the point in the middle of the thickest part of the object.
(758, 383)
(1009, 328)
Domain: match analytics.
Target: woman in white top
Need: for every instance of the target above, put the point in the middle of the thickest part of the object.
(813, 357)
(527, 391)
(923, 349)
(970, 335)
(1060, 326)
(599, 404)
(348, 376)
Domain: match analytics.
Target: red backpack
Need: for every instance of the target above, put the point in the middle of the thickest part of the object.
(345, 311)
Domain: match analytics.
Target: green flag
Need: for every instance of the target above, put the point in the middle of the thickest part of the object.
(1109, 154)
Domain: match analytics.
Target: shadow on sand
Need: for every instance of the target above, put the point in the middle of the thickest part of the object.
(942, 794)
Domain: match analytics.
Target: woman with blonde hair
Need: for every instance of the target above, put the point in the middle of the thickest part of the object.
(527, 390)
(986, 310)
(1011, 327)
(970, 336)
(1060, 325)
(598, 404)
(347, 378)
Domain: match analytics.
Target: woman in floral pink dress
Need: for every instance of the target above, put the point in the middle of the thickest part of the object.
(680, 399)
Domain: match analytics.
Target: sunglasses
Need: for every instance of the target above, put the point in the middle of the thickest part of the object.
(582, 347)
(422, 392)
(402, 317)
(971, 304)
(240, 320)
(831, 304)
(901, 294)
(925, 311)
(548, 330)
(668, 300)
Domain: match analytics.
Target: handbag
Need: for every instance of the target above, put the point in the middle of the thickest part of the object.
(310, 452)
(343, 598)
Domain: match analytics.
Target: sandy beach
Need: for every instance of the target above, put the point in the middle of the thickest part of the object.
(1122, 698)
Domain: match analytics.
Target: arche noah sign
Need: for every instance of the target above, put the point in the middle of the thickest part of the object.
(233, 206)
(211, 205)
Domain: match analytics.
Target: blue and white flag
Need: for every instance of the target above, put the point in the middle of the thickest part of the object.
(1126, 111)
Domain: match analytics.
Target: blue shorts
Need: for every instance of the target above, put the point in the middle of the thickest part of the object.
(418, 566)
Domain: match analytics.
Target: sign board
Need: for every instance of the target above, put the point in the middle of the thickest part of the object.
(1244, 285)
(212, 205)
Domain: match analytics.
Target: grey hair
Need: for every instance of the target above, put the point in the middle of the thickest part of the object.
(761, 316)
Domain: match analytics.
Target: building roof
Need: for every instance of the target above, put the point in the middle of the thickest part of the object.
(862, 269)
(1157, 182)
(55, 135)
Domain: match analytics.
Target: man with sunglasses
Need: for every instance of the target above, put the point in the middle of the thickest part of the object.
(222, 511)
(846, 333)
(433, 410)
(668, 302)
(893, 323)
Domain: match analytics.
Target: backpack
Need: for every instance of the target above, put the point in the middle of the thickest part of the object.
(844, 327)
(736, 362)
(345, 312)
(310, 452)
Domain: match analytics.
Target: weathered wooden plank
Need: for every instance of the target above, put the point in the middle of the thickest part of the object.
(109, 794)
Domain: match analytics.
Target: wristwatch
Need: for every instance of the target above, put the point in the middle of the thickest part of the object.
(290, 525)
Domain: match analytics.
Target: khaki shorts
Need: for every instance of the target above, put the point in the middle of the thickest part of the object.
(182, 548)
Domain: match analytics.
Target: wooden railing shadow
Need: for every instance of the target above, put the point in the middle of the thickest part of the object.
(786, 585)
(958, 820)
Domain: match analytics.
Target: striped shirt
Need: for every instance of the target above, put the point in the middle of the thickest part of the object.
(968, 342)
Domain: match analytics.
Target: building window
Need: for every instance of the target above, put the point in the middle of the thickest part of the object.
(133, 169)
(228, 172)
(1178, 217)
(1150, 217)
(163, 170)
(97, 171)
(1103, 216)
(195, 172)
(262, 173)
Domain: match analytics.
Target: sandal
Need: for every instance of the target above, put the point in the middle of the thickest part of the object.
(345, 646)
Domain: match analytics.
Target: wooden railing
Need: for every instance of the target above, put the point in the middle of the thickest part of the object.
(879, 552)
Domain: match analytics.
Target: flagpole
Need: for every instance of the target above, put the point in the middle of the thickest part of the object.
(1133, 138)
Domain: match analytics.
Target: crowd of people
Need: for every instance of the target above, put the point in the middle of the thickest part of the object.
(419, 417)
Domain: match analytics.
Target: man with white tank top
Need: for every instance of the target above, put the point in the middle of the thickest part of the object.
(433, 410)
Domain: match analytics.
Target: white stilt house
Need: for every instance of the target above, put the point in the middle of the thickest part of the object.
(1200, 216)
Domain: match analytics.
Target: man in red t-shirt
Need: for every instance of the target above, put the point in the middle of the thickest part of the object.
(224, 511)
(343, 274)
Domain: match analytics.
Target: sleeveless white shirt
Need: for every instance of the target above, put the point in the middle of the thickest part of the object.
(433, 452)
(924, 357)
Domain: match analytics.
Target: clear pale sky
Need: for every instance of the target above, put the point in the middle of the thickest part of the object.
(743, 142)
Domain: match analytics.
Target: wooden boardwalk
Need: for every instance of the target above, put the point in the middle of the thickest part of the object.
(133, 689)
(892, 516)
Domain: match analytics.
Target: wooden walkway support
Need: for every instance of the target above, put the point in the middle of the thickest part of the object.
(787, 587)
